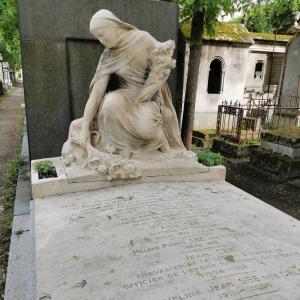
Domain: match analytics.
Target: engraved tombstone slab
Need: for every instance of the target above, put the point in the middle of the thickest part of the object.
(165, 241)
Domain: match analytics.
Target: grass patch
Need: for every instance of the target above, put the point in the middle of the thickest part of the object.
(6, 216)
(7, 202)
(251, 142)
(209, 132)
(209, 158)
(292, 132)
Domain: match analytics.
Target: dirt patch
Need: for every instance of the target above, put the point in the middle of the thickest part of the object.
(11, 114)
(278, 193)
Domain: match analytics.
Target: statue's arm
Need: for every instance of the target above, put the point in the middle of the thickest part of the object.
(161, 64)
(92, 106)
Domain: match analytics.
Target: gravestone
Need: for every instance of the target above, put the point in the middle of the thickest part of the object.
(59, 57)
(165, 241)
(290, 85)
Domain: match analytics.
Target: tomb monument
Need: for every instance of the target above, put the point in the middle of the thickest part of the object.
(133, 215)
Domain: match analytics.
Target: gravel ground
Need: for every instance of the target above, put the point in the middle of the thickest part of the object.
(282, 194)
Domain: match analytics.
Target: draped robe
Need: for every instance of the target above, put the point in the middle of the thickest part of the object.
(122, 122)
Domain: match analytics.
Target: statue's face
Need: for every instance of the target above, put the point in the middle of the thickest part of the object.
(108, 37)
(106, 32)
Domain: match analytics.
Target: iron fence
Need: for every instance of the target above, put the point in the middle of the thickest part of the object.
(238, 122)
(1, 88)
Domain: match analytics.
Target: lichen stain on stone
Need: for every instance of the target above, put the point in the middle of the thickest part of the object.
(81, 284)
(45, 296)
(229, 258)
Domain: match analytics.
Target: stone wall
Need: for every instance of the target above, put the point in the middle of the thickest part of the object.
(234, 77)
(60, 56)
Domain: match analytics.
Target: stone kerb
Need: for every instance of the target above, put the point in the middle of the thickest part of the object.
(64, 183)
(281, 144)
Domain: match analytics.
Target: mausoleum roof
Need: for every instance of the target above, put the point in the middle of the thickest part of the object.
(227, 32)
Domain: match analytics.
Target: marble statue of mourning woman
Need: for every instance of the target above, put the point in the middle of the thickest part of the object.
(135, 120)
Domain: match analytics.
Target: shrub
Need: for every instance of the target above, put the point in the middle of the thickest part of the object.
(209, 158)
(45, 168)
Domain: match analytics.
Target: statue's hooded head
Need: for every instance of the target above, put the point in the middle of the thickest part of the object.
(108, 28)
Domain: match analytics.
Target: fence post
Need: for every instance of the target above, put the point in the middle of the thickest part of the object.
(239, 123)
(219, 119)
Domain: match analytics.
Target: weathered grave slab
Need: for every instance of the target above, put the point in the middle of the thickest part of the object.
(165, 241)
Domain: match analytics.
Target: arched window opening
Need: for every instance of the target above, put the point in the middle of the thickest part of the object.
(259, 69)
(215, 77)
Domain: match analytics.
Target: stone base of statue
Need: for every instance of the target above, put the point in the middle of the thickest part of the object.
(148, 167)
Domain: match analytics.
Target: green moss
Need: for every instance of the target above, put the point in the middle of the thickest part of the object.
(291, 133)
(274, 163)
(209, 131)
(270, 37)
(229, 258)
(251, 142)
(232, 32)
(230, 148)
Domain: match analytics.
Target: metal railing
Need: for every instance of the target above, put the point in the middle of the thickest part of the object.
(240, 123)
(1, 88)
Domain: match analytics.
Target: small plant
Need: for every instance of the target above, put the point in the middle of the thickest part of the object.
(209, 158)
(45, 169)
(229, 258)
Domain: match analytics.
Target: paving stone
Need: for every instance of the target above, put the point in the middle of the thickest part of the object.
(23, 197)
(20, 281)
(21, 271)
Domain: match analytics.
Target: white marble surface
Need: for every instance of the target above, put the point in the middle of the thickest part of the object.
(167, 241)
(138, 117)
(156, 171)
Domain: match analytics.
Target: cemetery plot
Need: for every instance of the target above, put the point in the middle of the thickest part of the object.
(166, 241)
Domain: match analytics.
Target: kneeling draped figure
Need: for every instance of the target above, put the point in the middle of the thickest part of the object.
(136, 117)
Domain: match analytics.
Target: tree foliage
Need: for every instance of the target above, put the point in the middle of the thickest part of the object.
(9, 34)
(272, 16)
(204, 15)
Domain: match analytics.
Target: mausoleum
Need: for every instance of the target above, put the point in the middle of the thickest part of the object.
(235, 63)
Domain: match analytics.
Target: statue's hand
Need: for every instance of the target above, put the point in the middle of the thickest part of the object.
(144, 96)
(84, 138)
